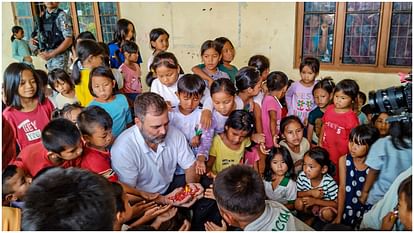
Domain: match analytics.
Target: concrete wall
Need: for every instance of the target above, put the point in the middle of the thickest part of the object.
(254, 28)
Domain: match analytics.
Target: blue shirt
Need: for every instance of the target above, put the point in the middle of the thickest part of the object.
(119, 111)
(116, 62)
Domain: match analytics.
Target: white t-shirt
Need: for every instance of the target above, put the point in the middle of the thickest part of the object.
(61, 100)
(152, 171)
(284, 193)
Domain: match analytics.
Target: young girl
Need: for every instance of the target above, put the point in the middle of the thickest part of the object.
(291, 130)
(27, 111)
(380, 122)
(124, 31)
(61, 82)
(227, 52)
(69, 111)
(228, 147)
(131, 71)
(317, 190)
(338, 121)
(159, 43)
(299, 97)
(278, 177)
(248, 85)
(263, 65)
(352, 175)
(20, 48)
(223, 95)
(90, 55)
(103, 87)
(211, 56)
(271, 108)
(322, 95)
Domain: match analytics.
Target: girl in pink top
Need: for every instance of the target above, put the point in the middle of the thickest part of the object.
(131, 71)
(299, 98)
(339, 120)
(276, 83)
(28, 111)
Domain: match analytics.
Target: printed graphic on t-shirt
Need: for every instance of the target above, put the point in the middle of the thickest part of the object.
(30, 129)
(281, 221)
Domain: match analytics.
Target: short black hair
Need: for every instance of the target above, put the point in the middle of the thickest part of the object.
(312, 62)
(191, 85)
(260, 62)
(349, 87)
(118, 193)
(268, 172)
(326, 84)
(59, 134)
(102, 71)
(129, 47)
(287, 120)
(223, 84)
(241, 120)
(276, 81)
(7, 174)
(246, 77)
(364, 135)
(59, 74)
(321, 156)
(43, 76)
(147, 100)
(363, 96)
(155, 33)
(76, 199)
(90, 117)
(239, 189)
(67, 109)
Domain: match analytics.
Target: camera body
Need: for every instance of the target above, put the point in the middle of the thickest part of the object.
(396, 101)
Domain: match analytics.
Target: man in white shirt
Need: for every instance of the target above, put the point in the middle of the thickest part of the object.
(146, 155)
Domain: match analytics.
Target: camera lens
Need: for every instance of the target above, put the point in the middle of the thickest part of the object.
(391, 99)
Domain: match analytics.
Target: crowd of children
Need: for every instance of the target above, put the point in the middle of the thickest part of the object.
(318, 155)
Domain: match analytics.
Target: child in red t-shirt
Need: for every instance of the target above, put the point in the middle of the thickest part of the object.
(339, 120)
(28, 111)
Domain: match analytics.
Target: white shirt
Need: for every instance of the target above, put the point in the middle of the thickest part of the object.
(185, 123)
(152, 171)
(284, 192)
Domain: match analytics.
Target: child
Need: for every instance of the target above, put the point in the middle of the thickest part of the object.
(190, 89)
(103, 87)
(227, 52)
(27, 111)
(352, 175)
(317, 190)
(271, 108)
(291, 130)
(228, 147)
(61, 82)
(61, 146)
(278, 177)
(81, 36)
(242, 202)
(69, 111)
(381, 123)
(299, 97)
(322, 95)
(223, 95)
(211, 56)
(248, 85)
(404, 208)
(124, 31)
(14, 184)
(158, 42)
(263, 65)
(339, 120)
(362, 99)
(131, 71)
(95, 125)
(45, 87)
(117, 74)
(20, 48)
(90, 55)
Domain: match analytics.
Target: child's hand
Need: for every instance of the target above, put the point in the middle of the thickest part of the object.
(169, 106)
(200, 165)
(388, 221)
(308, 201)
(210, 226)
(263, 149)
(149, 196)
(151, 214)
(209, 193)
(337, 220)
(299, 163)
(258, 138)
(205, 119)
(186, 226)
(164, 217)
(317, 193)
(195, 141)
(211, 175)
(139, 208)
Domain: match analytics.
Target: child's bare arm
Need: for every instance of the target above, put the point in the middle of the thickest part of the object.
(309, 133)
(371, 178)
(197, 70)
(341, 190)
(273, 123)
(321, 135)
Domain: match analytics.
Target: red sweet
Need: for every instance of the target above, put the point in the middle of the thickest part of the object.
(184, 193)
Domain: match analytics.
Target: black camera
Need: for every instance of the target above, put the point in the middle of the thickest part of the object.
(395, 101)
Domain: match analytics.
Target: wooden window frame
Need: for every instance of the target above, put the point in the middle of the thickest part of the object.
(338, 40)
(74, 16)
